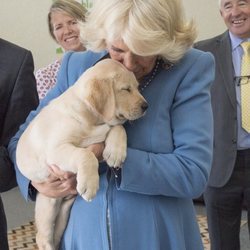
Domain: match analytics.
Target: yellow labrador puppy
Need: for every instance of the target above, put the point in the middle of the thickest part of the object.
(90, 111)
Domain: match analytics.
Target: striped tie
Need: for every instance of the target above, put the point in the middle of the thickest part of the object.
(245, 87)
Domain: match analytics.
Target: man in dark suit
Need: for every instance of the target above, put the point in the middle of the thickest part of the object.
(18, 96)
(229, 182)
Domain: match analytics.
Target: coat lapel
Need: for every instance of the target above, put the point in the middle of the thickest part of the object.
(225, 66)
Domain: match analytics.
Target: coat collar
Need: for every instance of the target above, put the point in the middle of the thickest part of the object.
(225, 65)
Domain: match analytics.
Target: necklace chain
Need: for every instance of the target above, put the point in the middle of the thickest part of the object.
(151, 77)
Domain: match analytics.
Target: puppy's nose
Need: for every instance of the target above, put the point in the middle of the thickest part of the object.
(144, 106)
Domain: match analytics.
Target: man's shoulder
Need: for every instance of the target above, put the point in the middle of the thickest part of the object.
(209, 43)
(12, 55)
(11, 47)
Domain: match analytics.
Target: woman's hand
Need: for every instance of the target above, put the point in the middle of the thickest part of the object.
(59, 184)
(63, 183)
(97, 149)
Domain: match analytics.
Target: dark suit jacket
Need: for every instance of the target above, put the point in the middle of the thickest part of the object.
(223, 95)
(18, 96)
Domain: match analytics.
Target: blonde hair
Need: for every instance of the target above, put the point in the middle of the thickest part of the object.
(147, 27)
(71, 7)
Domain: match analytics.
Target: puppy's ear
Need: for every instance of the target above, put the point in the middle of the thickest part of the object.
(99, 96)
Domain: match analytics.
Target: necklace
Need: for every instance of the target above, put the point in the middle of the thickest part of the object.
(151, 77)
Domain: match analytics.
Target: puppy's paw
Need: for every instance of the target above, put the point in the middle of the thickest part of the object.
(88, 185)
(115, 150)
(88, 178)
(115, 155)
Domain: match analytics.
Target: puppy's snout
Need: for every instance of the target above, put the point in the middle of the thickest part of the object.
(144, 106)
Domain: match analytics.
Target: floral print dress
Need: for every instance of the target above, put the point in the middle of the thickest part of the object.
(46, 78)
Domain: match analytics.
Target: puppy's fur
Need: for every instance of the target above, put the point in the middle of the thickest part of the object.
(90, 111)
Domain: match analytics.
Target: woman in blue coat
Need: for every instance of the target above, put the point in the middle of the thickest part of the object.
(147, 205)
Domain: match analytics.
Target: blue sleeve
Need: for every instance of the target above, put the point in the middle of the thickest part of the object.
(183, 172)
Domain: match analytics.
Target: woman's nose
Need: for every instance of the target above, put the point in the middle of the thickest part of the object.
(67, 29)
(129, 61)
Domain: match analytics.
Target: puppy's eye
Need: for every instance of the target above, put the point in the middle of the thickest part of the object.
(127, 89)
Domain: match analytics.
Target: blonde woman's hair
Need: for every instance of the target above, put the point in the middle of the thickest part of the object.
(147, 27)
(70, 7)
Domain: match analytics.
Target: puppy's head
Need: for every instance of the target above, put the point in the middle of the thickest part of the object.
(112, 92)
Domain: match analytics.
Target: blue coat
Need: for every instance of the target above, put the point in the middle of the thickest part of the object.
(148, 204)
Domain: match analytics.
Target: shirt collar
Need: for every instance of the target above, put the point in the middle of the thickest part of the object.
(236, 41)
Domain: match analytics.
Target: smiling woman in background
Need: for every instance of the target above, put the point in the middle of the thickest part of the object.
(63, 19)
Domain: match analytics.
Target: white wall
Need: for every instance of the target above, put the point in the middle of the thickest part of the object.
(207, 16)
(25, 22)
